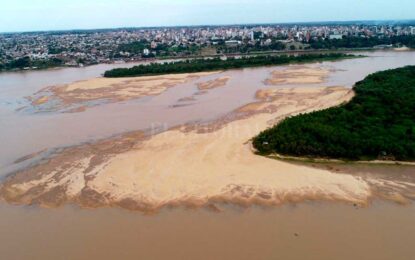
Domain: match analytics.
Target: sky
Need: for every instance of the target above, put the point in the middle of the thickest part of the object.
(36, 15)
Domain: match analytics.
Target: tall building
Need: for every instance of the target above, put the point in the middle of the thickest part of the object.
(412, 30)
(252, 36)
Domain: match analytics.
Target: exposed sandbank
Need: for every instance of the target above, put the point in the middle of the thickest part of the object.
(297, 75)
(215, 83)
(189, 166)
(79, 96)
(75, 95)
(403, 48)
(196, 165)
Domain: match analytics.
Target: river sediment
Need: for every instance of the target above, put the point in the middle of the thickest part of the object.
(191, 165)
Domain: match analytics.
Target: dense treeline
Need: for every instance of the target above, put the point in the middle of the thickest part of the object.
(379, 122)
(134, 47)
(198, 65)
(137, 48)
(362, 42)
(26, 62)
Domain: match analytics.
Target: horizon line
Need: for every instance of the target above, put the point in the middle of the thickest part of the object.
(213, 25)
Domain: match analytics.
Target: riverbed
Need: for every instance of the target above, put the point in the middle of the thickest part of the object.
(29, 134)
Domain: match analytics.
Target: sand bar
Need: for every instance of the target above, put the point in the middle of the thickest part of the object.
(111, 90)
(198, 165)
(215, 83)
(185, 166)
(297, 75)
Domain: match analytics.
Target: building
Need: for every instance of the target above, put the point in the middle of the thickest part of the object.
(335, 36)
(252, 35)
(383, 46)
(153, 45)
(232, 43)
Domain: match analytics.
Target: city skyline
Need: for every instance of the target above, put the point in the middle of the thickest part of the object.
(35, 15)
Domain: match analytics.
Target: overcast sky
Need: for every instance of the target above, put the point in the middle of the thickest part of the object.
(33, 15)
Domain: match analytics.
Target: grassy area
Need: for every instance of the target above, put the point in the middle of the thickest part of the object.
(199, 65)
(378, 123)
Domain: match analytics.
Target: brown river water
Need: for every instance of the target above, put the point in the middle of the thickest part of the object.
(304, 231)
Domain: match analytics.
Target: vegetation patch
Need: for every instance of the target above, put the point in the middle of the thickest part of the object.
(378, 123)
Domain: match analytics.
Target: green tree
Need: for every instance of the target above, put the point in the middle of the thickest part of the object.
(378, 122)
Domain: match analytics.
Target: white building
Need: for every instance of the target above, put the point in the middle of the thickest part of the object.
(233, 43)
(335, 36)
(252, 35)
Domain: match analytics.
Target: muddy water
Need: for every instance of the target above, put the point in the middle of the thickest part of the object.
(306, 231)
(324, 231)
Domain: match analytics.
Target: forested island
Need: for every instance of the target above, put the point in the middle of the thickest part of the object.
(199, 65)
(378, 123)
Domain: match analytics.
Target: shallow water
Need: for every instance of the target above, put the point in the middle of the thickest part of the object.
(306, 231)
(23, 132)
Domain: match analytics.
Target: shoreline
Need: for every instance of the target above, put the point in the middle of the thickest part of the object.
(339, 161)
(144, 61)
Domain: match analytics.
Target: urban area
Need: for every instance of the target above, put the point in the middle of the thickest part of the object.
(38, 50)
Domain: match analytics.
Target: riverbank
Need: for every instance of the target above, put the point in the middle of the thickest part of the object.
(167, 58)
(254, 53)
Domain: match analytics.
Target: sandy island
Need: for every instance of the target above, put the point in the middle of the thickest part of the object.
(204, 87)
(80, 95)
(75, 96)
(197, 165)
(189, 165)
(214, 83)
(297, 75)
